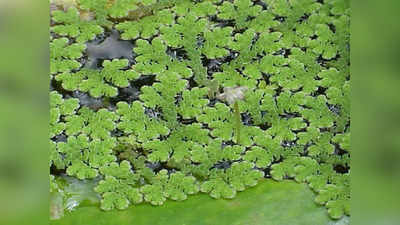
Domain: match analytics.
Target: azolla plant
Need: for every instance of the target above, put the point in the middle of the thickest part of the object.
(139, 97)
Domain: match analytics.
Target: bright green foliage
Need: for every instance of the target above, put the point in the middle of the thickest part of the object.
(179, 186)
(81, 170)
(96, 124)
(185, 33)
(146, 27)
(317, 112)
(161, 130)
(299, 168)
(215, 42)
(220, 119)
(72, 26)
(154, 192)
(282, 129)
(343, 140)
(217, 186)
(225, 184)
(242, 175)
(152, 59)
(83, 157)
(55, 157)
(134, 121)
(96, 82)
(239, 11)
(322, 146)
(60, 107)
(252, 106)
(259, 156)
(163, 93)
(98, 8)
(336, 196)
(120, 8)
(117, 188)
(193, 102)
(178, 144)
(201, 9)
(310, 135)
(62, 55)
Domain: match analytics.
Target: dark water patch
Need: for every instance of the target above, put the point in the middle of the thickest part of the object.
(55, 171)
(278, 92)
(261, 3)
(178, 98)
(222, 165)
(89, 101)
(156, 167)
(246, 119)
(117, 133)
(338, 149)
(336, 109)
(108, 46)
(232, 55)
(341, 169)
(304, 18)
(267, 172)
(266, 77)
(192, 83)
(227, 143)
(59, 138)
(152, 113)
(212, 65)
(290, 115)
(186, 121)
(127, 94)
(288, 144)
(280, 18)
(319, 91)
(250, 18)
(57, 86)
(212, 102)
(285, 52)
(200, 41)
(332, 27)
(221, 23)
(144, 80)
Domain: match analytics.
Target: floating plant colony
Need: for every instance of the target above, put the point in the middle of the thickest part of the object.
(142, 98)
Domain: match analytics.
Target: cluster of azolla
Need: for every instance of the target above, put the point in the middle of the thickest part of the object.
(172, 137)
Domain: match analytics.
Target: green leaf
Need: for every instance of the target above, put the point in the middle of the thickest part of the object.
(259, 156)
(81, 170)
(179, 186)
(193, 102)
(113, 200)
(242, 175)
(145, 27)
(121, 8)
(134, 121)
(215, 41)
(72, 26)
(154, 193)
(217, 187)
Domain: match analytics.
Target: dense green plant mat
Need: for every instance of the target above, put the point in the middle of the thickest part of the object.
(269, 203)
(163, 99)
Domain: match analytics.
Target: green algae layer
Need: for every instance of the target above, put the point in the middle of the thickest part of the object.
(268, 203)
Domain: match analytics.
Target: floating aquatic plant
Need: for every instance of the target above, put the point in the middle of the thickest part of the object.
(161, 128)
